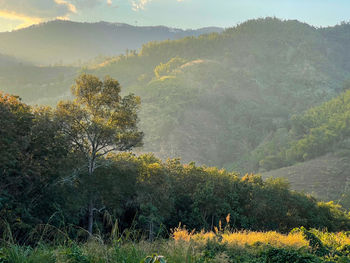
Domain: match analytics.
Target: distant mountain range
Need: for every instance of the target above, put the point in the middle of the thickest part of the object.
(6, 61)
(24, 78)
(68, 42)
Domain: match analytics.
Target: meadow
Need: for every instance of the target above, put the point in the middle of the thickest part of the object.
(220, 245)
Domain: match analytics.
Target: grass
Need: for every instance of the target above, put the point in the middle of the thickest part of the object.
(185, 246)
(245, 238)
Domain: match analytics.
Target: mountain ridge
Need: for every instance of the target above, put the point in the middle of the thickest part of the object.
(65, 42)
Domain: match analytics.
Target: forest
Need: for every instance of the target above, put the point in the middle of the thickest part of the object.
(61, 181)
(243, 84)
(225, 99)
(211, 148)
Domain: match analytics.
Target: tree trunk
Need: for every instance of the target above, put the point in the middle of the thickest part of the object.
(150, 234)
(91, 203)
(90, 216)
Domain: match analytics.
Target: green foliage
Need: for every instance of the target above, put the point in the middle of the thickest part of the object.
(319, 136)
(34, 158)
(314, 242)
(129, 253)
(320, 128)
(213, 248)
(97, 122)
(280, 255)
(99, 117)
(54, 163)
(18, 254)
(75, 255)
(223, 99)
(51, 183)
(167, 68)
(154, 259)
(314, 133)
(220, 108)
(211, 251)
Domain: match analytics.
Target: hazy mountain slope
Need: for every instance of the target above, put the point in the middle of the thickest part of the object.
(41, 85)
(316, 132)
(67, 42)
(6, 61)
(325, 177)
(339, 39)
(233, 92)
(225, 99)
(316, 150)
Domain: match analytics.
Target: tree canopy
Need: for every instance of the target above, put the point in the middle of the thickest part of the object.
(99, 121)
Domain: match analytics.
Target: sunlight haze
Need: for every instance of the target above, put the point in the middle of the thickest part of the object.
(174, 131)
(15, 14)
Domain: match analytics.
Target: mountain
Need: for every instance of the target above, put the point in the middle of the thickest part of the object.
(67, 42)
(6, 61)
(325, 177)
(44, 84)
(316, 151)
(222, 99)
(226, 99)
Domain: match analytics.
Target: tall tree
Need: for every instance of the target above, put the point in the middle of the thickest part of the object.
(99, 121)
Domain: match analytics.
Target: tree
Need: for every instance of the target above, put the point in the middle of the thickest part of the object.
(16, 122)
(32, 154)
(99, 121)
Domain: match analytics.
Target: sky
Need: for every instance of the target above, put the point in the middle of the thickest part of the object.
(186, 14)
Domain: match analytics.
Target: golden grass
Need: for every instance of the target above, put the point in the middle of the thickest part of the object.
(243, 238)
(273, 238)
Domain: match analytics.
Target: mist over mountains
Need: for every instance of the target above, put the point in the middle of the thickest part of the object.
(65, 42)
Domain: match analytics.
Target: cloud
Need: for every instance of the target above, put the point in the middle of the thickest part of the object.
(29, 12)
(141, 4)
(70, 6)
(89, 4)
(25, 20)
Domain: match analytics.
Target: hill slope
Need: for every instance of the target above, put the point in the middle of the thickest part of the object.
(34, 83)
(218, 99)
(326, 177)
(67, 42)
(226, 99)
(317, 151)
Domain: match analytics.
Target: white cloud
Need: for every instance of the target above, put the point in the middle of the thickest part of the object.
(89, 4)
(70, 6)
(38, 8)
(141, 4)
(29, 12)
(25, 21)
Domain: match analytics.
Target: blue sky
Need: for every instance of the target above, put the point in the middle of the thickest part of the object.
(174, 13)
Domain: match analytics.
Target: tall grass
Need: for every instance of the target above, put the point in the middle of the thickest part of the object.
(220, 246)
(244, 238)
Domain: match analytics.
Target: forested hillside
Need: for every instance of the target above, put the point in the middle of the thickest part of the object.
(44, 179)
(159, 150)
(319, 139)
(62, 42)
(218, 99)
(42, 85)
(226, 99)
